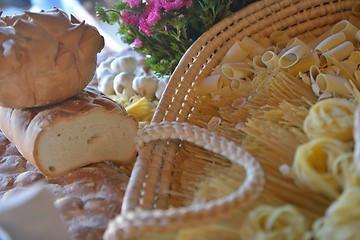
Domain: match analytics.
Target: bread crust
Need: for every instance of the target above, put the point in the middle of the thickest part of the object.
(45, 58)
(31, 129)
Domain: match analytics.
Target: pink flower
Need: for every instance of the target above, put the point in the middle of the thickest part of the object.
(150, 16)
(133, 3)
(137, 43)
(129, 18)
(170, 5)
(143, 25)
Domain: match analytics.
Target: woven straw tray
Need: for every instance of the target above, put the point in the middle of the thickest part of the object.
(159, 196)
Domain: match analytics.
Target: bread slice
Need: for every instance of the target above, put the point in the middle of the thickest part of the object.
(84, 129)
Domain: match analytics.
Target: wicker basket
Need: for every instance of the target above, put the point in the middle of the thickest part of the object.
(152, 178)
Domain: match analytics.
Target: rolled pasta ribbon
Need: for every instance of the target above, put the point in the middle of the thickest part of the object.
(339, 53)
(333, 84)
(239, 70)
(270, 59)
(312, 165)
(355, 57)
(240, 84)
(304, 64)
(210, 84)
(341, 219)
(346, 27)
(345, 171)
(330, 42)
(357, 75)
(236, 53)
(331, 117)
(297, 42)
(293, 55)
(357, 35)
(271, 222)
(313, 72)
(258, 63)
(279, 36)
(256, 49)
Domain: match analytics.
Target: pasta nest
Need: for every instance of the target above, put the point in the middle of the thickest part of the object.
(45, 57)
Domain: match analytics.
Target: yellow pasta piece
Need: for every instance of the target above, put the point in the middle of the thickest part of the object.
(239, 70)
(331, 83)
(270, 59)
(256, 48)
(331, 42)
(258, 63)
(339, 53)
(242, 85)
(305, 64)
(142, 108)
(355, 57)
(357, 35)
(312, 165)
(341, 220)
(210, 84)
(236, 53)
(272, 223)
(331, 117)
(346, 27)
(293, 55)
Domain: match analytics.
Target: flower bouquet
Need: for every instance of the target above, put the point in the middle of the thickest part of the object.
(162, 30)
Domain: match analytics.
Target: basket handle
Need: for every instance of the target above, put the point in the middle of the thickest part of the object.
(133, 223)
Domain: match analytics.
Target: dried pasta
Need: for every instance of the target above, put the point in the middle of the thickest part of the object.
(341, 220)
(290, 102)
(312, 165)
(331, 117)
(273, 223)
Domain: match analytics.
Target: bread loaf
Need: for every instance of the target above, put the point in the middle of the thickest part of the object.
(87, 198)
(45, 57)
(84, 129)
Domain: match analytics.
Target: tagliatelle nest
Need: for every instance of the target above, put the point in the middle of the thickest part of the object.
(45, 57)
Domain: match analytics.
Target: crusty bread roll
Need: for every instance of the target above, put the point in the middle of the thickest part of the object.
(84, 129)
(45, 57)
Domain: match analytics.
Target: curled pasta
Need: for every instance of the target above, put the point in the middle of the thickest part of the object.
(270, 59)
(331, 117)
(293, 55)
(347, 28)
(339, 53)
(305, 64)
(333, 84)
(331, 42)
(242, 85)
(312, 165)
(236, 53)
(341, 220)
(239, 70)
(271, 223)
(344, 169)
(258, 63)
(256, 48)
(210, 84)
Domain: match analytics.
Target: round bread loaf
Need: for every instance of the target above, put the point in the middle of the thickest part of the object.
(45, 57)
